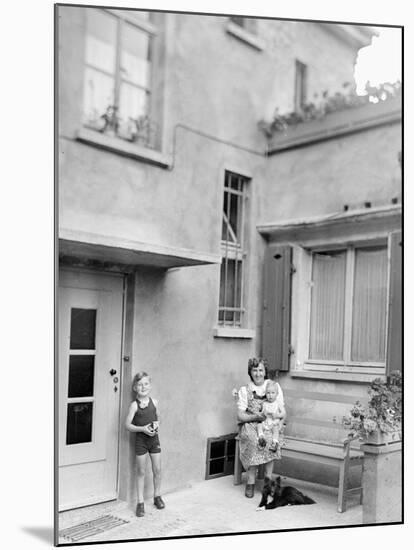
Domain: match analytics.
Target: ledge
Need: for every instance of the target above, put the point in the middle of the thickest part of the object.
(108, 251)
(124, 148)
(349, 218)
(335, 376)
(230, 332)
(391, 447)
(339, 123)
(245, 36)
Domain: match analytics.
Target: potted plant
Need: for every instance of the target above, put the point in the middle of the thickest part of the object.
(379, 421)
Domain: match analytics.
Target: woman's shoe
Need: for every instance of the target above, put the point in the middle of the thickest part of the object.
(249, 492)
(140, 510)
(159, 503)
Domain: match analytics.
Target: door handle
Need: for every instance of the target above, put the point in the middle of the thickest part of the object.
(112, 372)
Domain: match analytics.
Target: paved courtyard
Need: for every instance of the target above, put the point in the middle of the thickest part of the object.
(213, 507)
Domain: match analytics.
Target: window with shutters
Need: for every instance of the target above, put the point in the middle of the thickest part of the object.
(232, 274)
(348, 306)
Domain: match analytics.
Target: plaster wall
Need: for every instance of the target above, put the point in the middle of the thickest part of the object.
(206, 84)
(321, 178)
(193, 373)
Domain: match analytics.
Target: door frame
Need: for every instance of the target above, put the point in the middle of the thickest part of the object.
(121, 385)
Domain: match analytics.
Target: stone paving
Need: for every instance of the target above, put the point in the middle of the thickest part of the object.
(213, 507)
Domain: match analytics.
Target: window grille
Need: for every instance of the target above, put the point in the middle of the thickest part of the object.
(231, 309)
(220, 456)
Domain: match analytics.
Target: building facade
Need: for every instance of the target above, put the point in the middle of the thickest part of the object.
(189, 242)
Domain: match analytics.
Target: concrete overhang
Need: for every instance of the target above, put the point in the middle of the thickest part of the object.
(357, 36)
(386, 217)
(114, 253)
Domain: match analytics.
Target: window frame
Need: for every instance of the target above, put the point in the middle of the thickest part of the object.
(228, 464)
(346, 365)
(247, 34)
(301, 80)
(122, 19)
(237, 252)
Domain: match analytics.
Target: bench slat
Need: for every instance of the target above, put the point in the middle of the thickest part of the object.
(328, 450)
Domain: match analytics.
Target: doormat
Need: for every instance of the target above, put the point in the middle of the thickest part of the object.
(90, 528)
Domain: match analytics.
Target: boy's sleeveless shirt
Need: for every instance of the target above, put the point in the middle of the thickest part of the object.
(145, 416)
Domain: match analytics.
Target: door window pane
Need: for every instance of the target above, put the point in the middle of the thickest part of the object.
(79, 423)
(369, 305)
(82, 328)
(81, 375)
(327, 305)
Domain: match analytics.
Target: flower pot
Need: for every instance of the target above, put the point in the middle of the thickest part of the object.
(382, 438)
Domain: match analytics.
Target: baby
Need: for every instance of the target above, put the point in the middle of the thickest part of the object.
(273, 413)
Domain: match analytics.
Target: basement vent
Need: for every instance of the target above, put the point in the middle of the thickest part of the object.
(220, 456)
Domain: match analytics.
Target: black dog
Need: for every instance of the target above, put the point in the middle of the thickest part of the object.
(281, 496)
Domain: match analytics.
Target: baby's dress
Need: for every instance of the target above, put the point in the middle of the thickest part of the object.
(250, 452)
(271, 424)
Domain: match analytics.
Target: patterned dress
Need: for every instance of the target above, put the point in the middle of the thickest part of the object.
(250, 452)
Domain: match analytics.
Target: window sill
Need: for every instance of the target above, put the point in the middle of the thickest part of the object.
(336, 376)
(245, 36)
(116, 145)
(230, 332)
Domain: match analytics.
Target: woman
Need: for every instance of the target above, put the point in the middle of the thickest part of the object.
(250, 400)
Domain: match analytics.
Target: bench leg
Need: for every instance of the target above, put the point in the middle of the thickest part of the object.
(237, 465)
(343, 483)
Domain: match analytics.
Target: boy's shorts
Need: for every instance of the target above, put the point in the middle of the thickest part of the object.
(146, 444)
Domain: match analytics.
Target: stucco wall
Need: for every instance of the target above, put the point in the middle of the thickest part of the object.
(321, 178)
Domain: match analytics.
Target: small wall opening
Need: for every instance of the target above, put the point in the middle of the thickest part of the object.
(220, 456)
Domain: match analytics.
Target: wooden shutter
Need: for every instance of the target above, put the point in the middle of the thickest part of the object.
(395, 312)
(276, 316)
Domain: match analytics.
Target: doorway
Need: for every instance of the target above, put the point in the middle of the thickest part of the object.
(89, 379)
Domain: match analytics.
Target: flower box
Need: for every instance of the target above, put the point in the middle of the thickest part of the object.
(336, 124)
(382, 438)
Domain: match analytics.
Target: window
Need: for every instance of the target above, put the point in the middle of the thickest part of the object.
(348, 306)
(300, 85)
(232, 249)
(117, 80)
(220, 456)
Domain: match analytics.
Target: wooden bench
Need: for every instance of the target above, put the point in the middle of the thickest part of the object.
(330, 454)
(343, 455)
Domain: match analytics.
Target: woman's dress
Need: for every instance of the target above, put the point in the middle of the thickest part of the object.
(250, 452)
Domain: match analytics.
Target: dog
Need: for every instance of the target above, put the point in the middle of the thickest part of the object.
(273, 495)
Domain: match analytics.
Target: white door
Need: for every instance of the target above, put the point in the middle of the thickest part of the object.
(89, 345)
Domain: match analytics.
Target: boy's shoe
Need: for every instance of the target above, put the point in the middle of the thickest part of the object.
(262, 442)
(249, 492)
(159, 503)
(140, 510)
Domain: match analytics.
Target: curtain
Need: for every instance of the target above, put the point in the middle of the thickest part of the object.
(327, 306)
(369, 305)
